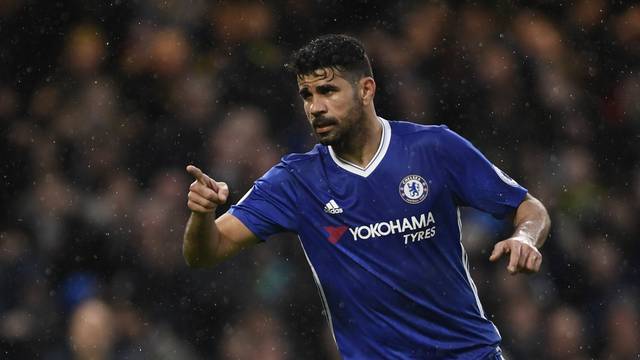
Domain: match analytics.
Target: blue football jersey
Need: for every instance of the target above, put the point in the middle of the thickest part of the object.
(384, 241)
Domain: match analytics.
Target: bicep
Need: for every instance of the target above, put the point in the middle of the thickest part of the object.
(233, 236)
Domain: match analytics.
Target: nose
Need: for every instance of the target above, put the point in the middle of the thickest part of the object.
(317, 107)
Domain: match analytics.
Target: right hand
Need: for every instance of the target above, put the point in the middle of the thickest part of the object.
(205, 194)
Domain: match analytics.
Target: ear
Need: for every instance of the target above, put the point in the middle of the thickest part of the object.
(367, 89)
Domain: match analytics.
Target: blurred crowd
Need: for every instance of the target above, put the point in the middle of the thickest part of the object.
(103, 104)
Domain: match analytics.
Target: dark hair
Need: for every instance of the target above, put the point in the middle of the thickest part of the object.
(339, 52)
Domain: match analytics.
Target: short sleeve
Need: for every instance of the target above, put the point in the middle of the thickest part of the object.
(475, 181)
(270, 205)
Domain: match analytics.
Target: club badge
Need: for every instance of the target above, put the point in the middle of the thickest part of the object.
(413, 189)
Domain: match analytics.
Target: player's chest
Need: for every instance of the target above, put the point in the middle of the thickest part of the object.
(396, 204)
(395, 189)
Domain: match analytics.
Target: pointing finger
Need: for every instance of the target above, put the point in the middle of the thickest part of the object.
(198, 174)
(202, 177)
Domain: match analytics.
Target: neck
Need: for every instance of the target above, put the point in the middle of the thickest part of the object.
(362, 145)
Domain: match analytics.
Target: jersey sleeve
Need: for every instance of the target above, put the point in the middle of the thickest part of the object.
(475, 181)
(270, 205)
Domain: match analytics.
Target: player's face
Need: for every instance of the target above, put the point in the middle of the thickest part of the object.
(331, 105)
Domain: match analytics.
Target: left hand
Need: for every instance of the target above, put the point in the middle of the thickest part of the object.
(524, 257)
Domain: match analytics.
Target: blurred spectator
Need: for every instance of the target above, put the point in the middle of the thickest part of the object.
(84, 50)
(257, 335)
(622, 332)
(565, 335)
(102, 104)
(91, 331)
(229, 155)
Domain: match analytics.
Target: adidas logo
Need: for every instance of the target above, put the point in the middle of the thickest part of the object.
(332, 208)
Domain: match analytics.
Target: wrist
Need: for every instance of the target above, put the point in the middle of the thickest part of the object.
(525, 238)
(203, 216)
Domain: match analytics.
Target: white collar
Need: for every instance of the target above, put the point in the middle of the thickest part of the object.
(375, 161)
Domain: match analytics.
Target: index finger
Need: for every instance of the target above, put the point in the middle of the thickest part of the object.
(202, 178)
(198, 174)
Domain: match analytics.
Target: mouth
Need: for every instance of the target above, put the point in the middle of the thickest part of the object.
(323, 125)
(320, 130)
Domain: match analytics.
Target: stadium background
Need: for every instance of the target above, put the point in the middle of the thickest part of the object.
(102, 104)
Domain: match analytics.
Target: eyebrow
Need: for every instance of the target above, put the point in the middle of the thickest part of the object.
(326, 87)
(320, 89)
(304, 92)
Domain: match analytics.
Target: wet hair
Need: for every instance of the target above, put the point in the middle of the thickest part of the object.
(336, 51)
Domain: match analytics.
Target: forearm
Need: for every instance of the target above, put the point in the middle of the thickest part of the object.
(532, 222)
(201, 238)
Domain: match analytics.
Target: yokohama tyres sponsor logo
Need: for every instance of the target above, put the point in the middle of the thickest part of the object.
(398, 226)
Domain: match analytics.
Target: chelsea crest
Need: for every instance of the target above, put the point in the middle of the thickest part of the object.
(413, 189)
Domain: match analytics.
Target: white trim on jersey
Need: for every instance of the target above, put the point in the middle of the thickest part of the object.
(375, 161)
(465, 264)
(244, 196)
(325, 304)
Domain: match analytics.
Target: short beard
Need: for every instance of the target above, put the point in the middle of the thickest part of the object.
(352, 128)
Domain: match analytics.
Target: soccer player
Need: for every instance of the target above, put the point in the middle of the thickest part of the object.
(376, 207)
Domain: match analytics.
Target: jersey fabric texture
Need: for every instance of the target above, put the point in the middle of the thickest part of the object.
(384, 241)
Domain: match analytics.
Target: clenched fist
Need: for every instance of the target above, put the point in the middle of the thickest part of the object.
(205, 194)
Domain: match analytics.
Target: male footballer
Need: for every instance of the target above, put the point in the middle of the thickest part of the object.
(376, 206)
